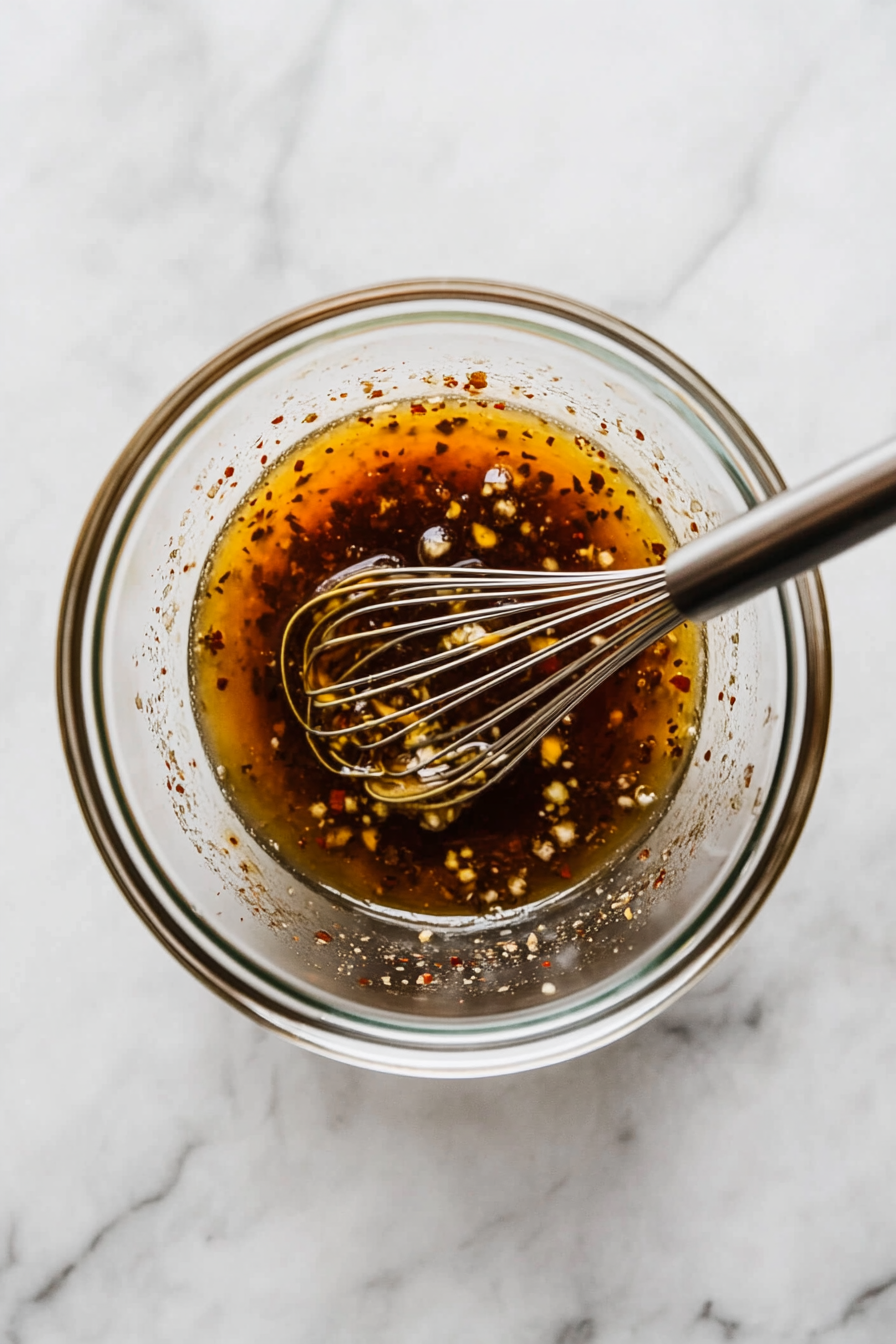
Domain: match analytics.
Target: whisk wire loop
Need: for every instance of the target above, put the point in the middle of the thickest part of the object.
(403, 675)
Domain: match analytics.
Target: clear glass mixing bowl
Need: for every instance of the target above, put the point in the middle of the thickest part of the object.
(223, 905)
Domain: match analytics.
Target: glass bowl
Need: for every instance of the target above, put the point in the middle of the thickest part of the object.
(478, 995)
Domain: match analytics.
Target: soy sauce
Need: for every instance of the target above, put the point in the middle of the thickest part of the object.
(439, 481)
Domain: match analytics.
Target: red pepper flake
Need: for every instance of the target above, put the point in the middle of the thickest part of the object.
(178, 788)
(164, 671)
(222, 683)
(707, 755)
(364, 982)
(456, 961)
(277, 420)
(426, 978)
(694, 527)
(323, 937)
(228, 471)
(660, 879)
(377, 392)
(499, 405)
(732, 699)
(297, 466)
(337, 799)
(310, 417)
(645, 854)
(213, 641)
(417, 409)
(545, 963)
(681, 683)
(564, 870)
(639, 435)
(721, 695)
(658, 549)
(264, 458)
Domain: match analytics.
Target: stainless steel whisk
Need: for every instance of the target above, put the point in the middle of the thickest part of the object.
(431, 684)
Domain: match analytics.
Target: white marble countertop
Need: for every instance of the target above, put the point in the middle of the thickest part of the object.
(723, 176)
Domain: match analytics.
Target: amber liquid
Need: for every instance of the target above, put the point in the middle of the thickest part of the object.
(377, 484)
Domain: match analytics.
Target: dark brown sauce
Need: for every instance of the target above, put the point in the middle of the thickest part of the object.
(378, 483)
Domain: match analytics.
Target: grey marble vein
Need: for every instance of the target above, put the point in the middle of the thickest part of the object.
(728, 1328)
(298, 85)
(746, 187)
(863, 1300)
(59, 1278)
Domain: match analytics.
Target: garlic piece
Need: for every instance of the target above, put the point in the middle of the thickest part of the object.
(552, 748)
(500, 480)
(483, 537)
(564, 833)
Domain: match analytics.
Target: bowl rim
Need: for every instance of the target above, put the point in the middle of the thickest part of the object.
(409, 1055)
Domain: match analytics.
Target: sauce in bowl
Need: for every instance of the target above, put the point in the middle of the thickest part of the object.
(439, 482)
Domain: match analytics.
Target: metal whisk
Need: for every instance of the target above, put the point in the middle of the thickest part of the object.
(431, 684)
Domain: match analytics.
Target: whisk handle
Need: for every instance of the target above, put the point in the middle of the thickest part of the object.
(785, 535)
